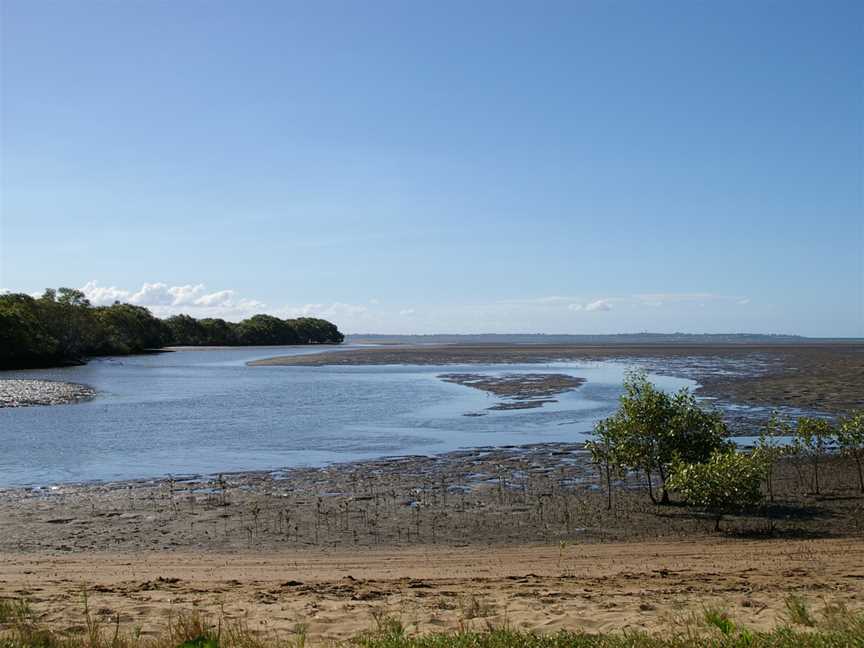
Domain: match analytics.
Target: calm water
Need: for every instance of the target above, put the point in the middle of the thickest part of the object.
(205, 411)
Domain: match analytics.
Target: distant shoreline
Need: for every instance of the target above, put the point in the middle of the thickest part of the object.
(821, 376)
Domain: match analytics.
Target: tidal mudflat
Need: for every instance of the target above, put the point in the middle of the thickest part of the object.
(824, 377)
(521, 391)
(543, 493)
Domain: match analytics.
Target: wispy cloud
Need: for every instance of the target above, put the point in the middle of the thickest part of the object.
(327, 311)
(550, 300)
(599, 305)
(660, 299)
(602, 304)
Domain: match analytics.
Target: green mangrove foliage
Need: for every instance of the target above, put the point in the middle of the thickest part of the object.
(680, 447)
(813, 438)
(651, 429)
(850, 439)
(63, 327)
(727, 482)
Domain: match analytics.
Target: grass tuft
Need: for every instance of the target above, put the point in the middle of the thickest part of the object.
(719, 619)
(798, 611)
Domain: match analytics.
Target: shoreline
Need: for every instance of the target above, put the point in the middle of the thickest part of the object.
(820, 377)
(501, 496)
(30, 392)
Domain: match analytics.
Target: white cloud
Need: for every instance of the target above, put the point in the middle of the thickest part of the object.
(165, 300)
(104, 295)
(407, 312)
(599, 305)
(221, 298)
(160, 294)
(575, 307)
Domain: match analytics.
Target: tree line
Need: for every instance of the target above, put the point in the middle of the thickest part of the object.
(678, 446)
(63, 327)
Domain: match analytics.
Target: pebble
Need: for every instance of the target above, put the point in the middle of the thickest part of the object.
(24, 393)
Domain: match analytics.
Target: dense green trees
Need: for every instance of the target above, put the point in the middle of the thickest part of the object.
(62, 327)
(257, 330)
(653, 428)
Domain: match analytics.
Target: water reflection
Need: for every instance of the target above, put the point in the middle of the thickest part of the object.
(204, 411)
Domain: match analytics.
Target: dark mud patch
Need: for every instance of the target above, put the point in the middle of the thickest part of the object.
(535, 494)
(522, 391)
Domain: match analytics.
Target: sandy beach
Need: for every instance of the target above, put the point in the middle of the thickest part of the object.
(334, 594)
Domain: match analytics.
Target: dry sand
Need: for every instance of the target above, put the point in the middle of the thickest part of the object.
(336, 593)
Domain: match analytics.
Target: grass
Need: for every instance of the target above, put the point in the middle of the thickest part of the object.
(798, 611)
(838, 628)
(14, 611)
(719, 619)
(780, 638)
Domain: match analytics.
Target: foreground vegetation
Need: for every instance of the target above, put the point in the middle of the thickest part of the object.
(681, 447)
(832, 627)
(62, 327)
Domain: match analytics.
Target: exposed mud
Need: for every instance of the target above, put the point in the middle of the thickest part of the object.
(820, 377)
(522, 391)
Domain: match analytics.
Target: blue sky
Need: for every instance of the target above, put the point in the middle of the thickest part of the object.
(573, 167)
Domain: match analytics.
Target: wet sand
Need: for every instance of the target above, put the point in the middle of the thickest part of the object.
(825, 377)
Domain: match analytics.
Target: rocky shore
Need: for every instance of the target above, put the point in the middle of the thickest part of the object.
(25, 393)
